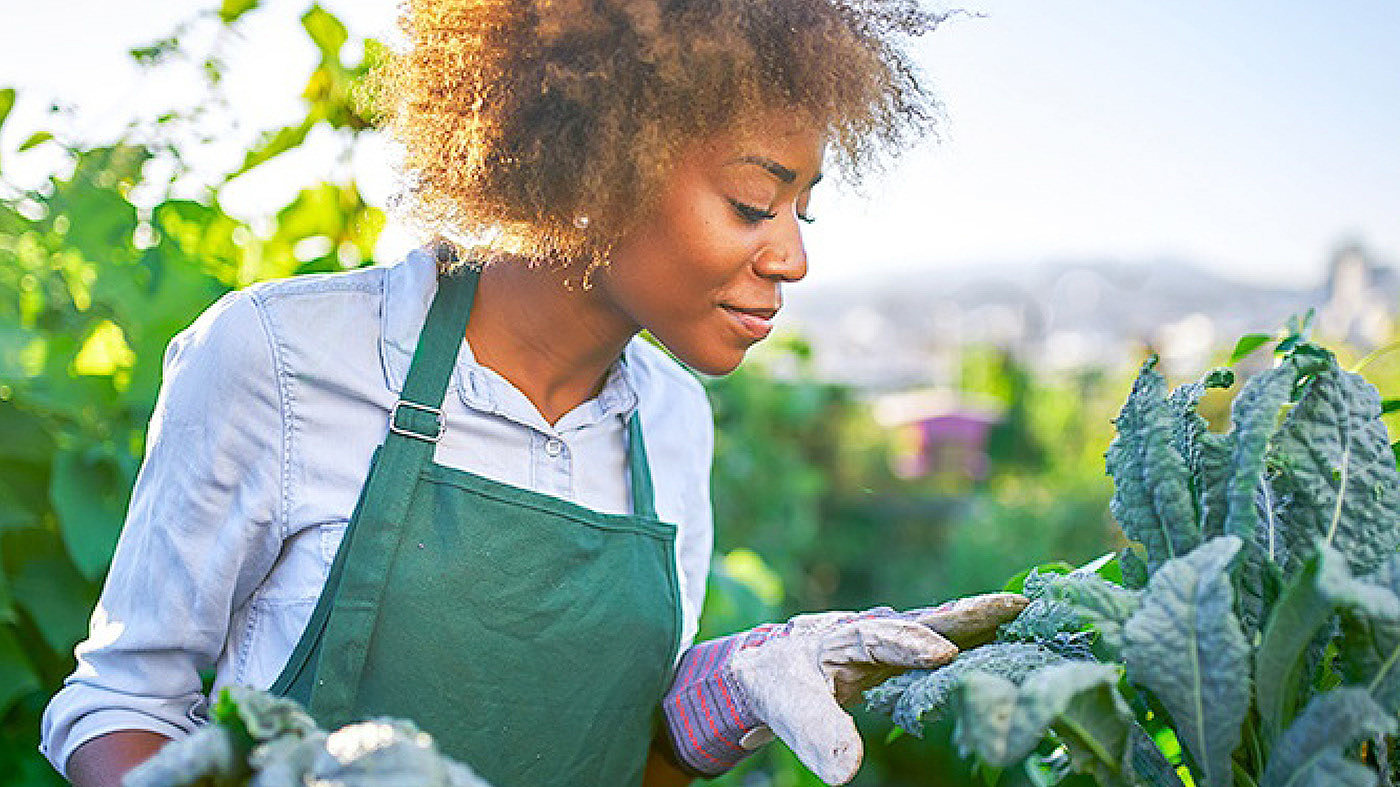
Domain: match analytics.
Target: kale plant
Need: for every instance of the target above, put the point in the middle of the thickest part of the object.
(259, 740)
(1253, 630)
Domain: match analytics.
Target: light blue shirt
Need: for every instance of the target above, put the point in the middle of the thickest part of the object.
(271, 405)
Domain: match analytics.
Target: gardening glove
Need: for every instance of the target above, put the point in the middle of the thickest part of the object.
(732, 695)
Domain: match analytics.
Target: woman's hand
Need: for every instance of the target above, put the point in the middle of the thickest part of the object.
(792, 679)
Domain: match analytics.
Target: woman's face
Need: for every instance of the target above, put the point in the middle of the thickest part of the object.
(703, 271)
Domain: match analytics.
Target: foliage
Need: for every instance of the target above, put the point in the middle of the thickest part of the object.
(1256, 622)
(260, 740)
(99, 268)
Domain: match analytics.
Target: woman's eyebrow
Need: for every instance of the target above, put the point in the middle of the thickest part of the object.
(777, 170)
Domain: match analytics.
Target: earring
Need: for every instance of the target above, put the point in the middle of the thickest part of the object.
(581, 221)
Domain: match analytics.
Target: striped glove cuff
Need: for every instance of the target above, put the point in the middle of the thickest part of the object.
(706, 710)
(711, 722)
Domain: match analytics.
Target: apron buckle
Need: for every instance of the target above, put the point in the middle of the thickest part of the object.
(407, 432)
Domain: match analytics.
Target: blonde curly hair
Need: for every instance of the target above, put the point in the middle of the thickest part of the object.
(518, 117)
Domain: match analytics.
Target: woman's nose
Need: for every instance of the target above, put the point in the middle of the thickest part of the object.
(785, 259)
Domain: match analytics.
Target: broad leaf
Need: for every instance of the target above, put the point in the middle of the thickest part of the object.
(1079, 700)
(1312, 753)
(1098, 603)
(1152, 498)
(1279, 665)
(327, 32)
(89, 494)
(1207, 455)
(920, 696)
(1186, 646)
(1249, 514)
(17, 676)
(1248, 344)
(1336, 476)
(231, 10)
(1254, 418)
(48, 589)
(1370, 648)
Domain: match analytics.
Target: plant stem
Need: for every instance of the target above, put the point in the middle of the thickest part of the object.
(1242, 777)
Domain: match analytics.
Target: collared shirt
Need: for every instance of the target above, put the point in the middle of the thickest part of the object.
(271, 406)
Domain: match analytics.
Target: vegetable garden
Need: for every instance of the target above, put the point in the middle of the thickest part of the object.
(1245, 630)
(1252, 634)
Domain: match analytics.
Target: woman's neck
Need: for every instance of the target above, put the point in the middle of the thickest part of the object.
(552, 341)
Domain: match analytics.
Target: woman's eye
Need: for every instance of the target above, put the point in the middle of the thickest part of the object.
(750, 213)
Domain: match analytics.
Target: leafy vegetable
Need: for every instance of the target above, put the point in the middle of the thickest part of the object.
(1313, 750)
(1186, 646)
(1003, 722)
(260, 740)
(924, 695)
(1257, 623)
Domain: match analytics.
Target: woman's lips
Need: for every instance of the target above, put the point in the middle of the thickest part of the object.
(756, 323)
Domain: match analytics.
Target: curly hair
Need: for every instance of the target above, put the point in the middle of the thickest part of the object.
(519, 116)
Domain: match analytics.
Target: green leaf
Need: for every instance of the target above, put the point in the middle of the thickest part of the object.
(1279, 667)
(17, 676)
(1248, 344)
(1207, 455)
(1336, 475)
(1240, 464)
(7, 103)
(1254, 418)
(1152, 498)
(1312, 753)
(1151, 766)
(1186, 646)
(47, 587)
(1017, 583)
(920, 696)
(1101, 604)
(1135, 574)
(1370, 646)
(35, 140)
(1003, 723)
(326, 32)
(89, 495)
(275, 144)
(1389, 406)
(231, 10)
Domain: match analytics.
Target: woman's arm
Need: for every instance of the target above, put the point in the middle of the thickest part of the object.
(661, 770)
(202, 530)
(104, 760)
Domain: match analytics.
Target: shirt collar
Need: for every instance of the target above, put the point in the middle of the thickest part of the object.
(409, 286)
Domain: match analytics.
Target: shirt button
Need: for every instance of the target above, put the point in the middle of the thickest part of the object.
(554, 446)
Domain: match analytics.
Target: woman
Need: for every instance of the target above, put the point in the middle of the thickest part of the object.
(424, 490)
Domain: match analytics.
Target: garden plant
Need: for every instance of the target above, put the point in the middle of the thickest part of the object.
(1251, 633)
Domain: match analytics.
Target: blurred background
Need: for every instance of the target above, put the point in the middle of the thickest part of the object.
(1109, 181)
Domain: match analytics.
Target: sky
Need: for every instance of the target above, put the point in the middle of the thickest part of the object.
(1248, 137)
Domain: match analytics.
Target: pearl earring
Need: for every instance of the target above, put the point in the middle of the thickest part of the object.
(581, 221)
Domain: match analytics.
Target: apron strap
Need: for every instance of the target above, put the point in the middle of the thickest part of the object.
(415, 426)
(433, 360)
(639, 469)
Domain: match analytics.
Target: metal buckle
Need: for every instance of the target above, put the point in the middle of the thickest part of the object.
(436, 413)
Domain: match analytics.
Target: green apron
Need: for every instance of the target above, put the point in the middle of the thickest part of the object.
(532, 637)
